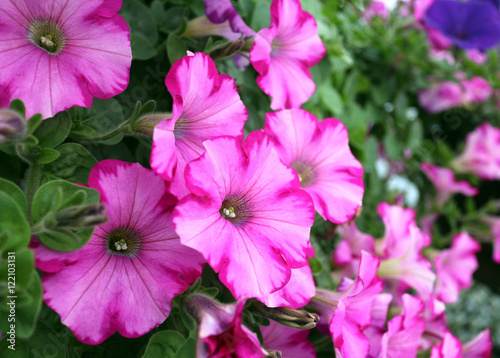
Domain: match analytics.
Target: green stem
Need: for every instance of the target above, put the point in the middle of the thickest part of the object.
(103, 137)
(33, 178)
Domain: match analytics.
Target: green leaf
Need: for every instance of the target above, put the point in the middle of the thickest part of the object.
(176, 16)
(331, 99)
(34, 122)
(53, 131)
(316, 266)
(188, 349)
(164, 344)
(47, 199)
(148, 107)
(73, 165)
(18, 106)
(48, 155)
(103, 117)
(14, 228)
(176, 48)
(140, 20)
(261, 16)
(142, 49)
(14, 192)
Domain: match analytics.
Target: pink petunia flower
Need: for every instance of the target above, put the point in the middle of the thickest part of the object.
(377, 328)
(376, 8)
(445, 183)
(441, 96)
(222, 11)
(348, 252)
(221, 332)
(451, 347)
(283, 53)
(481, 155)
(455, 266)
(133, 261)
(58, 54)
(291, 342)
(247, 215)
(477, 90)
(494, 224)
(319, 152)
(349, 310)
(402, 338)
(402, 265)
(442, 55)
(476, 56)
(206, 105)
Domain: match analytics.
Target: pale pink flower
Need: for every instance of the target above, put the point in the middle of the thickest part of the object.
(283, 53)
(348, 252)
(377, 328)
(349, 310)
(376, 8)
(494, 224)
(247, 215)
(441, 96)
(402, 264)
(482, 153)
(206, 105)
(455, 266)
(442, 55)
(476, 56)
(126, 276)
(55, 55)
(477, 90)
(420, 8)
(445, 183)
(320, 154)
(451, 347)
(291, 342)
(221, 332)
(402, 338)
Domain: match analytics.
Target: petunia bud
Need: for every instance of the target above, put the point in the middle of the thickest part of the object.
(77, 217)
(12, 126)
(146, 124)
(288, 317)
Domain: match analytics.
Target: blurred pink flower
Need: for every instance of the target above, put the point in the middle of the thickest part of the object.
(451, 347)
(443, 55)
(402, 338)
(319, 152)
(221, 332)
(476, 56)
(494, 224)
(55, 55)
(445, 183)
(291, 342)
(455, 266)
(477, 90)
(246, 215)
(206, 105)
(136, 254)
(376, 8)
(482, 153)
(377, 328)
(283, 53)
(441, 96)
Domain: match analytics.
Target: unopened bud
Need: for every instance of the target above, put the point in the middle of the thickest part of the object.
(147, 123)
(227, 49)
(286, 316)
(77, 217)
(274, 354)
(12, 126)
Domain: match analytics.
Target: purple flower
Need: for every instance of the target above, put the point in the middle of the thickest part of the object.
(470, 25)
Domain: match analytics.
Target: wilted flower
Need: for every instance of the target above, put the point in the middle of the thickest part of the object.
(59, 54)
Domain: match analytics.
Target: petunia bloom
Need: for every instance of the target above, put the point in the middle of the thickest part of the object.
(319, 152)
(451, 347)
(221, 332)
(348, 312)
(470, 25)
(441, 96)
(445, 183)
(455, 266)
(283, 53)
(481, 155)
(246, 215)
(477, 90)
(376, 8)
(126, 276)
(206, 105)
(55, 55)
(476, 56)
(290, 342)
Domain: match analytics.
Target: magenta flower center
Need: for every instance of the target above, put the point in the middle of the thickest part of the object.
(305, 172)
(235, 209)
(123, 242)
(47, 35)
